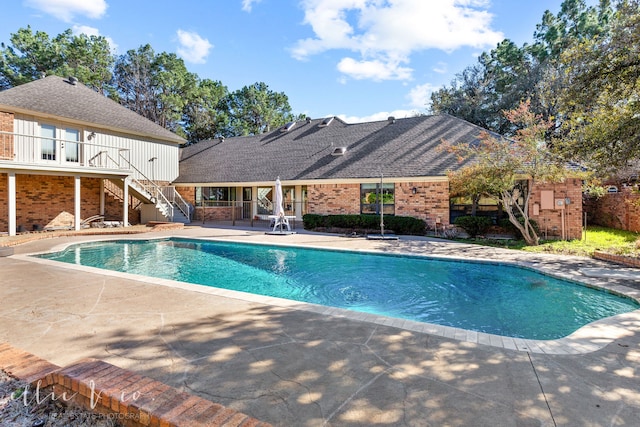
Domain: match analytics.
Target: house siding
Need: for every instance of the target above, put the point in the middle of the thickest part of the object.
(550, 220)
(164, 167)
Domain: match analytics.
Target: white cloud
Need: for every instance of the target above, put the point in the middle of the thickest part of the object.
(373, 70)
(91, 31)
(383, 115)
(420, 96)
(440, 68)
(193, 48)
(388, 32)
(66, 10)
(247, 5)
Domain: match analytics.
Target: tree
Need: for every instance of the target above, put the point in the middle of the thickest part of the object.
(28, 57)
(600, 105)
(255, 109)
(33, 55)
(499, 168)
(508, 74)
(499, 81)
(204, 116)
(88, 58)
(157, 87)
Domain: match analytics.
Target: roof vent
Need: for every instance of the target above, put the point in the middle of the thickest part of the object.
(73, 80)
(391, 119)
(308, 120)
(339, 151)
(221, 138)
(326, 122)
(287, 127)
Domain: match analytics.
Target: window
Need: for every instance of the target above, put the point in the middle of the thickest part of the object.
(375, 196)
(289, 200)
(215, 196)
(71, 146)
(48, 142)
(304, 200)
(265, 200)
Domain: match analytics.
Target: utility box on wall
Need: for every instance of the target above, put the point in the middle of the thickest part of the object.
(546, 200)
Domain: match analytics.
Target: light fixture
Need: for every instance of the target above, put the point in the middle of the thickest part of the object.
(91, 136)
(153, 159)
(414, 190)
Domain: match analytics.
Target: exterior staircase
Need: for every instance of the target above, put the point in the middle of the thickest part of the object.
(167, 202)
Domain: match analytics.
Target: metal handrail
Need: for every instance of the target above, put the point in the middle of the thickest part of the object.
(150, 187)
(174, 197)
(24, 149)
(154, 190)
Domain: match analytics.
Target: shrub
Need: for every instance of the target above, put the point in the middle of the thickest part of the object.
(399, 224)
(312, 221)
(474, 225)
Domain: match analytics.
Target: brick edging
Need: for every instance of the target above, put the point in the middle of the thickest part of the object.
(134, 400)
(618, 259)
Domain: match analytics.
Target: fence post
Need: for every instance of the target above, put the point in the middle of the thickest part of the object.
(233, 214)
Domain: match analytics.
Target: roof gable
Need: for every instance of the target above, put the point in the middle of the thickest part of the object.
(57, 97)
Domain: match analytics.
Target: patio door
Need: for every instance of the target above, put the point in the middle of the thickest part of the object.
(70, 145)
(48, 143)
(59, 145)
(247, 208)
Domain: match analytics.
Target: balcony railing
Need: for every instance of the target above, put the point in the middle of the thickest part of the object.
(36, 150)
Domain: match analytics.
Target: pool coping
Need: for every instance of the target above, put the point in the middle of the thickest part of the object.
(589, 338)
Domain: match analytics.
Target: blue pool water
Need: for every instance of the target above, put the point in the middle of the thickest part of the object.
(490, 298)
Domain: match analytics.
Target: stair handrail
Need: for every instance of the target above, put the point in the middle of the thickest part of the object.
(174, 197)
(153, 189)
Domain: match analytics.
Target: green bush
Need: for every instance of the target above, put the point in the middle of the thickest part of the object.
(312, 221)
(399, 224)
(473, 225)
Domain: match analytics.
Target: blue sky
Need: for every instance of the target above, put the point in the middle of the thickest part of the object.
(360, 60)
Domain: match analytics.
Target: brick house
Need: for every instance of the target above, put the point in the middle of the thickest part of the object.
(327, 166)
(68, 153)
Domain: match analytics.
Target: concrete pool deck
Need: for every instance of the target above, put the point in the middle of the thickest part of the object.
(296, 364)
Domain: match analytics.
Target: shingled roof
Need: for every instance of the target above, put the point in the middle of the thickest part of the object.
(60, 98)
(401, 148)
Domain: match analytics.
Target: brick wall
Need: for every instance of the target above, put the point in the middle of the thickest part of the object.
(616, 210)
(188, 194)
(550, 220)
(113, 209)
(6, 141)
(217, 213)
(430, 203)
(4, 202)
(333, 199)
(47, 201)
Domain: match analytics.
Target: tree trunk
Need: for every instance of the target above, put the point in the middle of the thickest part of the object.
(526, 229)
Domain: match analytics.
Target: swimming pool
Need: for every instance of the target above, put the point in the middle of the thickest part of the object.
(492, 298)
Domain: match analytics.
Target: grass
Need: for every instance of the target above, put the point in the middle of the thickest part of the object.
(595, 238)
